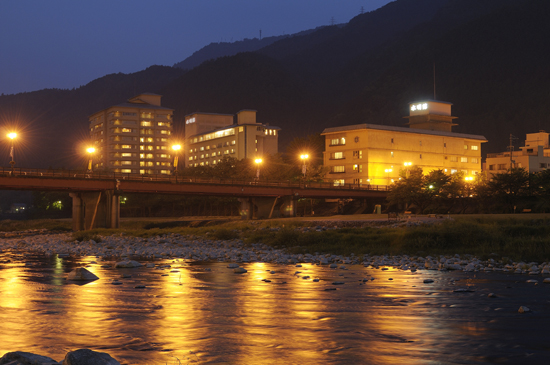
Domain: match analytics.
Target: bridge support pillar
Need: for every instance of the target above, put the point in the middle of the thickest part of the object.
(247, 208)
(260, 208)
(95, 210)
(78, 212)
(288, 209)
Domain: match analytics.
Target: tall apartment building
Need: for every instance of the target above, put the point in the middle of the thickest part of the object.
(533, 157)
(210, 137)
(133, 137)
(366, 154)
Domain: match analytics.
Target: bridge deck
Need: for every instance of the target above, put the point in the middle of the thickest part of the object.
(78, 181)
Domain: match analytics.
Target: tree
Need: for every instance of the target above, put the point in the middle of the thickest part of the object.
(509, 187)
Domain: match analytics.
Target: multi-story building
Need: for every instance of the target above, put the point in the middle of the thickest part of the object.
(377, 154)
(210, 137)
(133, 137)
(533, 157)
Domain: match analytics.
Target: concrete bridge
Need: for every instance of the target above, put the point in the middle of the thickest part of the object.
(96, 195)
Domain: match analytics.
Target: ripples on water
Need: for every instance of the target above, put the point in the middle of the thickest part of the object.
(216, 316)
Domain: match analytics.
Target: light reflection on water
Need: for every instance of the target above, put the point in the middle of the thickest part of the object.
(224, 317)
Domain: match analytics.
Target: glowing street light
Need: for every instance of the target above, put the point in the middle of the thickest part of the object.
(12, 136)
(388, 172)
(91, 151)
(304, 158)
(258, 161)
(176, 148)
(407, 165)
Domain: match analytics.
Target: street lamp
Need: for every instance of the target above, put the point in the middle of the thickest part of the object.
(304, 158)
(176, 148)
(91, 151)
(388, 172)
(258, 161)
(407, 165)
(12, 136)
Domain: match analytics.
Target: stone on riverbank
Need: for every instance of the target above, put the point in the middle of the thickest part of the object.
(127, 264)
(239, 270)
(523, 309)
(88, 357)
(81, 274)
(25, 358)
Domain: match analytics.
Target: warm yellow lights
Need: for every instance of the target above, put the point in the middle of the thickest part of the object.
(90, 150)
(176, 147)
(388, 170)
(407, 164)
(304, 157)
(258, 161)
(469, 178)
(12, 135)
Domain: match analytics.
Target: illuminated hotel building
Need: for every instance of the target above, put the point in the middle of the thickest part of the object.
(133, 137)
(370, 154)
(210, 137)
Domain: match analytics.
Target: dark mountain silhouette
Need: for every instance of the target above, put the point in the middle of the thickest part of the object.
(490, 58)
(222, 49)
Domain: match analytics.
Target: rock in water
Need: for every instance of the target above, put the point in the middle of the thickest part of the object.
(26, 358)
(523, 309)
(81, 274)
(88, 357)
(239, 270)
(128, 264)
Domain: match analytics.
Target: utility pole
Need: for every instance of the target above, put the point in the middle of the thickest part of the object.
(260, 34)
(511, 148)
(362, 10)
(332, 21)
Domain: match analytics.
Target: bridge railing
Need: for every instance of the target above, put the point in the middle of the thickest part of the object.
(177, 179)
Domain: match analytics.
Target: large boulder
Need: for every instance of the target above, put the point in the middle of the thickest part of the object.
(81, 274)
(25, 358)
(88, 357)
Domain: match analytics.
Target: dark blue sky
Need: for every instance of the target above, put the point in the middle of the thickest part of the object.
(68, 43)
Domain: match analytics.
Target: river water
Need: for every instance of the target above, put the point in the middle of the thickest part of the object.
(202, 312)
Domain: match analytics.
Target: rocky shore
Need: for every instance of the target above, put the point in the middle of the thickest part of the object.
(201, 249)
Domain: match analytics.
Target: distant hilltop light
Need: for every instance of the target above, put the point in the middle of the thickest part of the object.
(421, 106)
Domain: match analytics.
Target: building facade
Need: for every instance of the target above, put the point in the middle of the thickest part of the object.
(533, 157)
(210, 137)
(133, 137)
(369, 154)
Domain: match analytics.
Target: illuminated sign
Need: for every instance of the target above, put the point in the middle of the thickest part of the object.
(190, 121)
(422, 106)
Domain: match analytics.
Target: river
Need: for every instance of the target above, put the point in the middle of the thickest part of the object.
(202, 312)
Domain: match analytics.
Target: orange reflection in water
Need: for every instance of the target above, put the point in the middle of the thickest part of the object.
(221, 316)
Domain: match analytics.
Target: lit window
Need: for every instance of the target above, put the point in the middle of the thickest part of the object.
(474, 160)
(338, 182)
(464, 159)
(338, 169)
(145, 124)
(126, 146)
(474, 147)
(126, 171)
(454, 171)
(337, 155)
(465, 146)
(391, 153)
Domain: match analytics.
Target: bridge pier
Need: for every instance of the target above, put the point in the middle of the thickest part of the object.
(288, 209)
(259, 208)
(95, 210)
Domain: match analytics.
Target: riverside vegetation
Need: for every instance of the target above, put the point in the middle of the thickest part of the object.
(514, 237)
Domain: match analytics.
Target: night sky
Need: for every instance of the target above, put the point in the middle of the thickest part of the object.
(67, 43)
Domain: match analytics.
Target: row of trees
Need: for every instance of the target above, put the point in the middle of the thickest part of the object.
(513, 191)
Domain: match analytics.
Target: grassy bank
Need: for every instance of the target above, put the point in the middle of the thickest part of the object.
(516, 237)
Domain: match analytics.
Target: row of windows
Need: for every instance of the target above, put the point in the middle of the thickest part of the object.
(214, 135)
(342, 141)
(214, 146)
(214, 154)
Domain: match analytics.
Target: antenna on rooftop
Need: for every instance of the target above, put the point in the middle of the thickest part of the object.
(260, 34)
(362, 10)
(434, 82)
